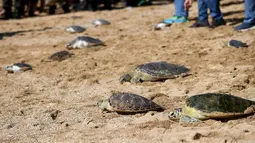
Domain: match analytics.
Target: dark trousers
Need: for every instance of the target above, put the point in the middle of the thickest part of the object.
(19, 8)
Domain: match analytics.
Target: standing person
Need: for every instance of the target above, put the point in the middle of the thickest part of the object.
(19, 9)
(249, 21)
(203, 6)
(181, 14)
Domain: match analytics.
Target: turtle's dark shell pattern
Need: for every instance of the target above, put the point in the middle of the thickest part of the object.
(89, 40)
(60, 56)
(128, 102)
(23, 65)
(101, 22)
(162, 69)
(225, 103)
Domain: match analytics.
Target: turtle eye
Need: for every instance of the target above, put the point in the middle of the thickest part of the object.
(172, 115)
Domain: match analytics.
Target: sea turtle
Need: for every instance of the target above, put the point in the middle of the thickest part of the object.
(153, 72)
(213, 106)
(75, 29)
(161, 25)
(128, 103)
(237, 44)
(84, 42)
(58, 56)
(99, 22)
(18, 67)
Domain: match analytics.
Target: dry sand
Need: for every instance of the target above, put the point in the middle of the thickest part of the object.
(56, 102)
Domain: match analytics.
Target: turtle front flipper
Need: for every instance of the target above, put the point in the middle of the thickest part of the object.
(188, 119)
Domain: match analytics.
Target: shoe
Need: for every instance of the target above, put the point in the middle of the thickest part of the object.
(5, 15)
(144, 3)
(244, 27)
(176, 19)
(216, 23)
(200, 24)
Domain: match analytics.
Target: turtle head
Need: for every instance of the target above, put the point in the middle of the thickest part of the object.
(102, 104)
(125, 78)
(176, 114)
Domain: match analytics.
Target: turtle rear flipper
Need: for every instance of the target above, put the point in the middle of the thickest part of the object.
(188, 119)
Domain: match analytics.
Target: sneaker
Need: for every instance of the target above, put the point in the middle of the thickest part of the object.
(244, 27)
(216, 23)
(176, 19)
(200, 24)
(144, 3)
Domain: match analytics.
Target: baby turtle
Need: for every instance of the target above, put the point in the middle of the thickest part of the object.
(99, 22)
(18, 67)
(84, 42)
(154, 71)
(58, 56)
(237, 44)
(161, 25)
(128, 103)
(75, 29)
(213, 106)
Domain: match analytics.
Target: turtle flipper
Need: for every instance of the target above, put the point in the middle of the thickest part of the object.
(188, 119)
(136, 79)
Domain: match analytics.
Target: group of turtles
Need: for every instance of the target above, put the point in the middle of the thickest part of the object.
(197, 107)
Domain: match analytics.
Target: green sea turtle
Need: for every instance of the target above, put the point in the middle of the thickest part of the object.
(153, 72)
(75, 29)
(213, 106)
(161, 25)
(18, 67)
(99, 22)
(84, 42)
(58, 56)
(128, 103)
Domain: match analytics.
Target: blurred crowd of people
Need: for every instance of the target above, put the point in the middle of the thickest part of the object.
(27, 8)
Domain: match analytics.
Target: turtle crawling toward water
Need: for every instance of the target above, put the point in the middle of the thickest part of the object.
(99, 22)
(18, 67)
(84, 42)
(58, 56)
(154, 71)
(213, 106)
(75, 29)
(128, 103)
(161, 25)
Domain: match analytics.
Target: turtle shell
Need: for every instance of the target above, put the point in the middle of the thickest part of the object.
(221, 103)
(17, 67)
(128, 102)
(162, 69)
(75, 29)
(84, 41)
(60, 56)
(100, 22)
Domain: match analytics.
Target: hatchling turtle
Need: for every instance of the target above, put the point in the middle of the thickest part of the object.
(18, 67)
(161, 25)
(84, 42)
(128, 103)
(237, 44)
(154, 71)
(213, 106)
(58, 56)
(99, 22)
(75, 29)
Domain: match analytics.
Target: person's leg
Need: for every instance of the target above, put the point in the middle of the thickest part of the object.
(249, 12)
(19, 9)
(181, 15)
(7, 6)
(249, 21)
(202, 10)
(179, 8)
(214, 6)
(202, 15)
